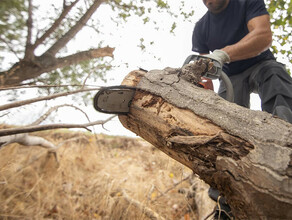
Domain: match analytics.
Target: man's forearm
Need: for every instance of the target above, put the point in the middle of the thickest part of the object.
(255, 42)
(250, 46)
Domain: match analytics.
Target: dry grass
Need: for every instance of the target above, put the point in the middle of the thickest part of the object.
(87, 179)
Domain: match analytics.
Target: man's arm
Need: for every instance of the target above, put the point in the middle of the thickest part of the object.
(255, 42)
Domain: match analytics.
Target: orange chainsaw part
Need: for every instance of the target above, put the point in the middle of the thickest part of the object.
(206, 83)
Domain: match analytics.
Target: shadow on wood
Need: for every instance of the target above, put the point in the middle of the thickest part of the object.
(245, 154)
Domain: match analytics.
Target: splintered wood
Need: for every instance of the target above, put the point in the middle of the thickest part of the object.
(245, 154)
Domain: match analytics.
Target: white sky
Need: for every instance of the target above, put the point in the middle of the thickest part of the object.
(171, 49)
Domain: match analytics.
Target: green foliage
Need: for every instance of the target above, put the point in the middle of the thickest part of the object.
(149, 12)
(281, 21)
(12, 25)
(162, 4)
(173, 27)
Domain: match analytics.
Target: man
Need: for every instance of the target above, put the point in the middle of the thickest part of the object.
(239, 35)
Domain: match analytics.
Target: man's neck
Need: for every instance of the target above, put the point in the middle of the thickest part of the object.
(222, 9)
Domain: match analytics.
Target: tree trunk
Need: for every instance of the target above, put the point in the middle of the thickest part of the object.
(245, 154)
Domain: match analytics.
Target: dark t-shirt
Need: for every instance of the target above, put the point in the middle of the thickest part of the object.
(215, 31)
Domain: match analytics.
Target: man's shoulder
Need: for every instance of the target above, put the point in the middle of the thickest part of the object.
(203, 20)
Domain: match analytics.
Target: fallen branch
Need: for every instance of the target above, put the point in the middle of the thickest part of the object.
(29, 86)
(55, 108)
(50, 151)
(42, 98)
(28, 129)
(171, 188)
(26, 140)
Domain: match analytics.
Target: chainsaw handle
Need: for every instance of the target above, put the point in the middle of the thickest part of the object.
(228, 85)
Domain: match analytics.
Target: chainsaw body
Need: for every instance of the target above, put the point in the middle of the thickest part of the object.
(117, 99)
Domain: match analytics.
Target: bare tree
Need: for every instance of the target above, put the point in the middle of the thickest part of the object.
(32, 66)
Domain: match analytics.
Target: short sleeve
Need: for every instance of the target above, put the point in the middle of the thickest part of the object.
(255, 8)
(198, 40)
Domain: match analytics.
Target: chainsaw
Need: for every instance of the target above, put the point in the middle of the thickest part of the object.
(117, 99)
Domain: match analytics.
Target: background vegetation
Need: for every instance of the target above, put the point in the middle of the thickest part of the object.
(91, 177)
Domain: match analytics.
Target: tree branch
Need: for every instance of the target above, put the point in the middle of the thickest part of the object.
(28, 129)
(30, 86)
(28, 47)
(55, 25)
(26, 140)
(42, 98)
(74, 30)
(55, 108)
(85, 55)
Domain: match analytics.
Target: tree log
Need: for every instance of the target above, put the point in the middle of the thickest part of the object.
(245, 154)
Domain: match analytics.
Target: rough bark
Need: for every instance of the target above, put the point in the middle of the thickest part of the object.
(245, 154)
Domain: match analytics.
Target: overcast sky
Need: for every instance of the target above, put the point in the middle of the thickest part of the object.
(168, 50)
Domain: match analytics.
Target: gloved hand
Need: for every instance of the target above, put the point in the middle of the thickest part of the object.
(219, 55)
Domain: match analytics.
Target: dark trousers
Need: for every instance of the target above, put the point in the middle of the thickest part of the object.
(271, 81)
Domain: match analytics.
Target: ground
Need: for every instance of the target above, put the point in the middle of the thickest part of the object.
(91, 177)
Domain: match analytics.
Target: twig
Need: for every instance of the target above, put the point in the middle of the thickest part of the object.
(60, 43)
(144, 209)
(55, 108)
(174, 185)
(42, 98)
(86, 78)
(56, 24)
(208, 216)
(28, 129)
(45, 86)
(151, 191)
(4, 114)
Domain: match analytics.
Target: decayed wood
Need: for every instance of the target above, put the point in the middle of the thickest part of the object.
(245, 154)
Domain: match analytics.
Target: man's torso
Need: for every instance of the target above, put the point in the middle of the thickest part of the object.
(215, 31)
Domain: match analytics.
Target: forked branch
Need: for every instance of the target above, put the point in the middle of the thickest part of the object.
(33, 128)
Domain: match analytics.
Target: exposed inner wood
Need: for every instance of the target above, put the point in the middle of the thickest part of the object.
(245, 154)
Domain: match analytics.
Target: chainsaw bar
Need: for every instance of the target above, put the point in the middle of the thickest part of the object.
(114, 99)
